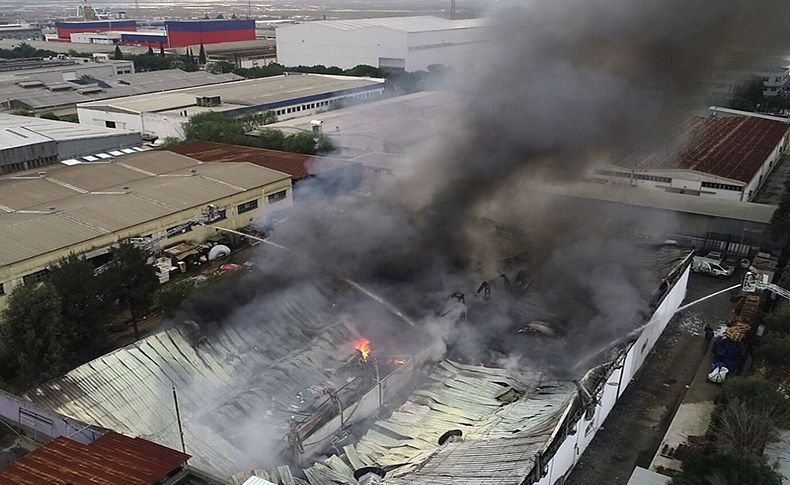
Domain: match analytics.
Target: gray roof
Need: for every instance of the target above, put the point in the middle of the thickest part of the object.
(414, 24)
(708, 206)
(241, 94)
(122, 86)
(18, 131)
(68, 205)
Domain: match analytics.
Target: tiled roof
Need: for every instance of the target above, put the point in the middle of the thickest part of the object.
(110, 460)
(732, 147)
(296, 165)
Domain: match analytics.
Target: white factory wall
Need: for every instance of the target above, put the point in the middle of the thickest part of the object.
(765, 170)
(682, 182)
(575, 444)
(105, 119)
(309, 44)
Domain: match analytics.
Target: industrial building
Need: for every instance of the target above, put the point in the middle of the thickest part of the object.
(27, 92)
(722, 155)
(27, 143)
(62, 69)
(86, 207)
(20, 32)
(391, 125)
(405, 43)
(176, 33)
(183, 33)
(285, 377)
(66, 28)
(113, 458)
(163, 115)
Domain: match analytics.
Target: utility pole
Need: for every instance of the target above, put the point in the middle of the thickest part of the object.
(452, 9)
(178, 418)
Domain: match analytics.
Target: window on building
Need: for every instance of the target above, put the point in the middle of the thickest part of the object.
(109, 124)
(714, 185)
(36, 277)
(222, 214)
(277, 196)
(247, 206)
(2, 289)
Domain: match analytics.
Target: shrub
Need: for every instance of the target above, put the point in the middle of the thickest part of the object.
(727, 469)
(776, 349)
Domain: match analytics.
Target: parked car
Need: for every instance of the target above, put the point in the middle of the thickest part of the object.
(712, 267)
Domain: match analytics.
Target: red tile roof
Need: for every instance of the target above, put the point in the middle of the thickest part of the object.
(296, 165)
(733, 147)
(113, 459)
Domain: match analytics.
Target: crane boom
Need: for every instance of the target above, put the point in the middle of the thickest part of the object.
(753, 282)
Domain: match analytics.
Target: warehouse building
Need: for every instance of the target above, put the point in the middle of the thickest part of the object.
(85, 208)
(62, 69)
(30, 93)
(406, 43)
(20, 31)
(66, 28)
(183, 33)
(163, 115)
(27, 143)
(723, 155)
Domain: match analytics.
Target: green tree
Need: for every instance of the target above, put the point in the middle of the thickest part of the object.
(118, 55)
(300, 143)
(776, 349)
(134, 281)
(778, 322)
(202, 55)
(780, 220)
(758, 393)
(269, 138)
(221, 67)
(172, 296)
(86, 306)
(32, 331)
(324, 145)
(726, 469)
(214, 126)
(364, 70)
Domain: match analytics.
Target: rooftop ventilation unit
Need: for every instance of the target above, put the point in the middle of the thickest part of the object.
(209, 101)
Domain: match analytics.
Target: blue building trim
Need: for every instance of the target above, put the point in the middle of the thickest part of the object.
(305, 99)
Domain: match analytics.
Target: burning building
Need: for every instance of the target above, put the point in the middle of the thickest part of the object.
(267, 377)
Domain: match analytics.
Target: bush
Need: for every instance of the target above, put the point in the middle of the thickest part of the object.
(759, 394)
(776, 349)
(777, 322)
(171, 296)
(727, 469)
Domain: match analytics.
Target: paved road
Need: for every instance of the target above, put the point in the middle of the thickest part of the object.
(634, 429)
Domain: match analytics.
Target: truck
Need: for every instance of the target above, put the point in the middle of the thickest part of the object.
(712, 267)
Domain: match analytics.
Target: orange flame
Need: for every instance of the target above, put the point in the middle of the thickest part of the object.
(363, 347)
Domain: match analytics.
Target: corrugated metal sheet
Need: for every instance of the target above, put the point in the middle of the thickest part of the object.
(499, 441)
(111, 460)
(238, 384)
(296, 165)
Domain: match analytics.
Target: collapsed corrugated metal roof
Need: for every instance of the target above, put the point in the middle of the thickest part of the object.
(505, 420)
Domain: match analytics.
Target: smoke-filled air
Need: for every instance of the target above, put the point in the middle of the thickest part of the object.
(562, 85)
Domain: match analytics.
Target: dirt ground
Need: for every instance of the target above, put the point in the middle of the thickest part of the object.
(633, 431)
